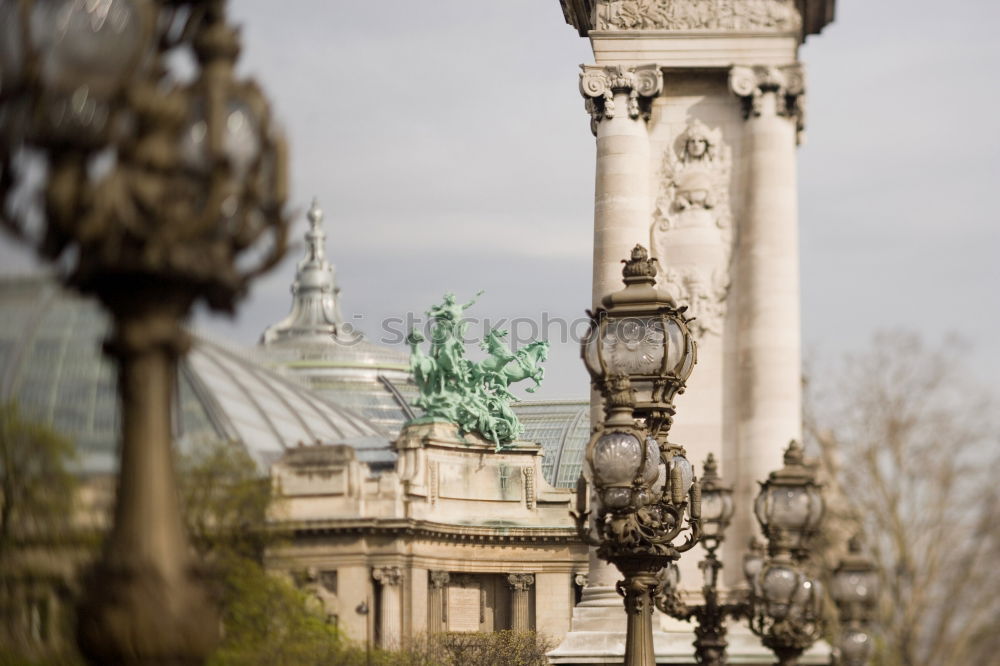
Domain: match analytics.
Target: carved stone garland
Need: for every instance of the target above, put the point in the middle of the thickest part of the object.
(529, 487)
(693, 209)
(720, 15)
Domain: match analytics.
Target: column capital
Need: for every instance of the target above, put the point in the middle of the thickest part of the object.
(788, 83)
(599, 83)
(439, 579)
(520, 582)
(388, 575)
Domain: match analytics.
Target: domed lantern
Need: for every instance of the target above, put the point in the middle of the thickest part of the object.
(790, 504)
(781, 590)
(716, 504)
(639, 332)
(623, 468)
(855, 646)
(64, 62)
(854, 586)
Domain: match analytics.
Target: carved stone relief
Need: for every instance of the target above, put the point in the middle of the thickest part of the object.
(520, 581)
(693, 211)
(722, 15)
(788, 84)
(529, 487)
(434, 485)
(598, 85)
(439, 579)
(388, 575)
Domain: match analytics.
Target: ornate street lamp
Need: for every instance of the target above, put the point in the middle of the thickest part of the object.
(716, 507)
(785, 605)
(641, 333)
(158, 189)
(854, 589)
(710, 632)
(789, 506)
(639, 352)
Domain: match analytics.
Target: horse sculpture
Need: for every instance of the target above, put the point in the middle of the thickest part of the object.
(475, 396)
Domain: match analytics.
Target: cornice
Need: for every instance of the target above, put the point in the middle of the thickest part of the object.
(428, 529)
(803, 17)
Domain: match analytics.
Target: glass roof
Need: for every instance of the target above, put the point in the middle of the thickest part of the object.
(563, 429)
(269, 398)
(51, 364)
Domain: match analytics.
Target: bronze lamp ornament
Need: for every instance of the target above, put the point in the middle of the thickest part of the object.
(854, 588)
(710, 615)
(639, 352)
(785, 604)
(151, 187)
(642, 334)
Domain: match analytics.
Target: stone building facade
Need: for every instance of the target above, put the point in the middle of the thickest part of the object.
(457, 536)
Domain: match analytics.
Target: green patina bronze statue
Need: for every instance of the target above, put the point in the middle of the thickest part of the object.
(474, 396)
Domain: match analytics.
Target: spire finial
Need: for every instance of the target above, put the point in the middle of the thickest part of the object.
(315, 214)
(315, 307)
(315, 237)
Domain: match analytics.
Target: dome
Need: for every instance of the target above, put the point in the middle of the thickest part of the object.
(314, 345)
(51, 364)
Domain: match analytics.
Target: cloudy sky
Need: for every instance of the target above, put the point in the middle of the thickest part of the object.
(448, 145)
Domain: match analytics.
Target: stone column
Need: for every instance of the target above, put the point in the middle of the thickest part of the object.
(390, 619)
(764, 378)
(520, 585)
(436, 618)
(618, 100)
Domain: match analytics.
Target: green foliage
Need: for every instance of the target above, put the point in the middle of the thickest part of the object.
(225, 500)
(36, 511)
(268, 621)
(36, 486)
(500, 648)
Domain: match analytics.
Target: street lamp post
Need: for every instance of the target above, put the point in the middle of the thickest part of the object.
(159, 188)
(854, 589)
(710, 632)
(785, 603)
(639, 353)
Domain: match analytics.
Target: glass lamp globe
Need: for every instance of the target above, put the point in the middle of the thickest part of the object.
(856, 647)
(808, 599)
(88, 43)
(616, 460)
(83, 52)
(753, 559)
(716, 501)
(790, 502)
(854, 586)
(779, 585)
(233, 135)
(639, 332)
